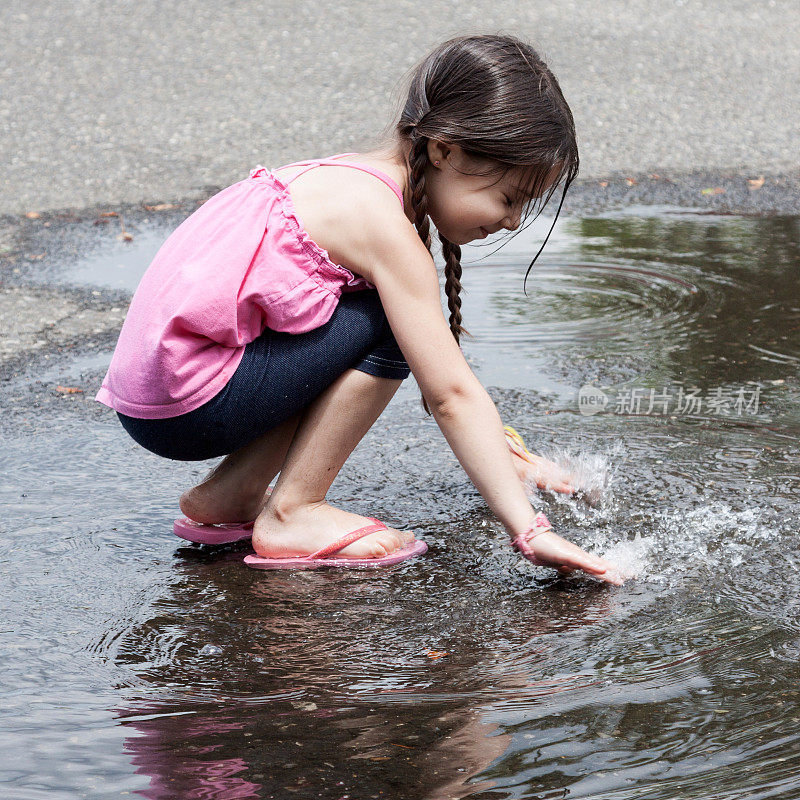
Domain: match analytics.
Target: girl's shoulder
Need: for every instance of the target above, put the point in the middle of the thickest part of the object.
(344, 208)
(343, 184)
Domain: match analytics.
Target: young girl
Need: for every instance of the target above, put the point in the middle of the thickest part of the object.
(276, 323)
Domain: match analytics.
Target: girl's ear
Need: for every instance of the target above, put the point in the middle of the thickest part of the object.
(438, 152)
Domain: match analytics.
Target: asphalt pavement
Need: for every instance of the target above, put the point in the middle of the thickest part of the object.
(103, 101)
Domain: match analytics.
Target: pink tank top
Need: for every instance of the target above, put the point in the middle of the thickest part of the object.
(241, 263)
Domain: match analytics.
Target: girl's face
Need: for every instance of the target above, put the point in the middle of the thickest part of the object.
(465, 206)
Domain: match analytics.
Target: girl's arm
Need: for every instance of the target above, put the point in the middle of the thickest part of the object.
(392, 256)
(409, 291)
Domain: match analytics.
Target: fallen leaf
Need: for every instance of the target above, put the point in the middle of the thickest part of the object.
(604, 184)
(655, 176)
(33, 215)
(109, 214)
(434, 654)
(630, 181)
(715, 190)
(304, 706)
(69, 389)
(756, 183)
(162, 207)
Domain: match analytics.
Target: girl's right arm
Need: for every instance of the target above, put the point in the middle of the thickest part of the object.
(406, 279)
(395, 260)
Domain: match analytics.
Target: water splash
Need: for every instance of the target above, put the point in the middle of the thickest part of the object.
(670, 544)
(591, 472)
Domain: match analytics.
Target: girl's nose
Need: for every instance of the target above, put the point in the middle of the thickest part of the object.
(511, 223)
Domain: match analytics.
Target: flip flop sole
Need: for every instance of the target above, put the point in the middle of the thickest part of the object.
(224, 533)
(195, 532)
(416, 548)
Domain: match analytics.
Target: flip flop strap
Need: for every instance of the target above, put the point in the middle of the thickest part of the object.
(516, 444)
(522, 541)
(349, 538)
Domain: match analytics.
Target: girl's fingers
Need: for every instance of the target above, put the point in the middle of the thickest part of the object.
(555, 486)
(604, 569)
(607, 574)
(614, 578)
(566, 557)
(548, 475)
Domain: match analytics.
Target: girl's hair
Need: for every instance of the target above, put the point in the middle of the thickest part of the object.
(495, 98)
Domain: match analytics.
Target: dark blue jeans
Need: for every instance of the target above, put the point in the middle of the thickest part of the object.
(279, 375)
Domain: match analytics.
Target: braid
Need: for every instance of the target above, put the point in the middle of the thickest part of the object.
(417, 161)
(452, 285)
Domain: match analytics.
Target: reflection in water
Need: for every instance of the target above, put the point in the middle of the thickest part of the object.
(468, 673)
(341, 752)
(699, 301)
(179, 754)
(347, 682)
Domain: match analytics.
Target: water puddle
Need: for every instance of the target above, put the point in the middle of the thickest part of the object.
(82, 366)
(106, 259)
(134, 664)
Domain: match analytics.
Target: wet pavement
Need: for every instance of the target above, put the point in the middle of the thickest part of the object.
(134, 664)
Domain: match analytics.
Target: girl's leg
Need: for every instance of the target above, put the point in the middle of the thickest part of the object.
(234, 490)
(308, 450)
(296, 520)
(351, 365)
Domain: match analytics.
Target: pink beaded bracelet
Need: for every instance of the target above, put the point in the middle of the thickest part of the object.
(522, 540)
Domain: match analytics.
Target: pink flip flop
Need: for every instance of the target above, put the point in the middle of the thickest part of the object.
(223, 533)
(212, 534)
(322, 558)
(522, 542)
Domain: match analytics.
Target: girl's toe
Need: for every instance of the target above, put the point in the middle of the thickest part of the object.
(379, 549)
(391, 540)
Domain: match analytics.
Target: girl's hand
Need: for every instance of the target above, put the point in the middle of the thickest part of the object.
(546, 549)
(541, 472)
(544, 474)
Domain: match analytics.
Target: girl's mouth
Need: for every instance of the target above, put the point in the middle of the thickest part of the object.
(484, 233)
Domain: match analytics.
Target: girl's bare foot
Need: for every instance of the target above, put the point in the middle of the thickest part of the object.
(280, 532)
(215, 501)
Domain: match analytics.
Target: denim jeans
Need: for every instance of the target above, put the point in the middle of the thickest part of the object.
(279, 375)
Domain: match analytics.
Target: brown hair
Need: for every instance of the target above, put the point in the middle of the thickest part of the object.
(495, 98)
